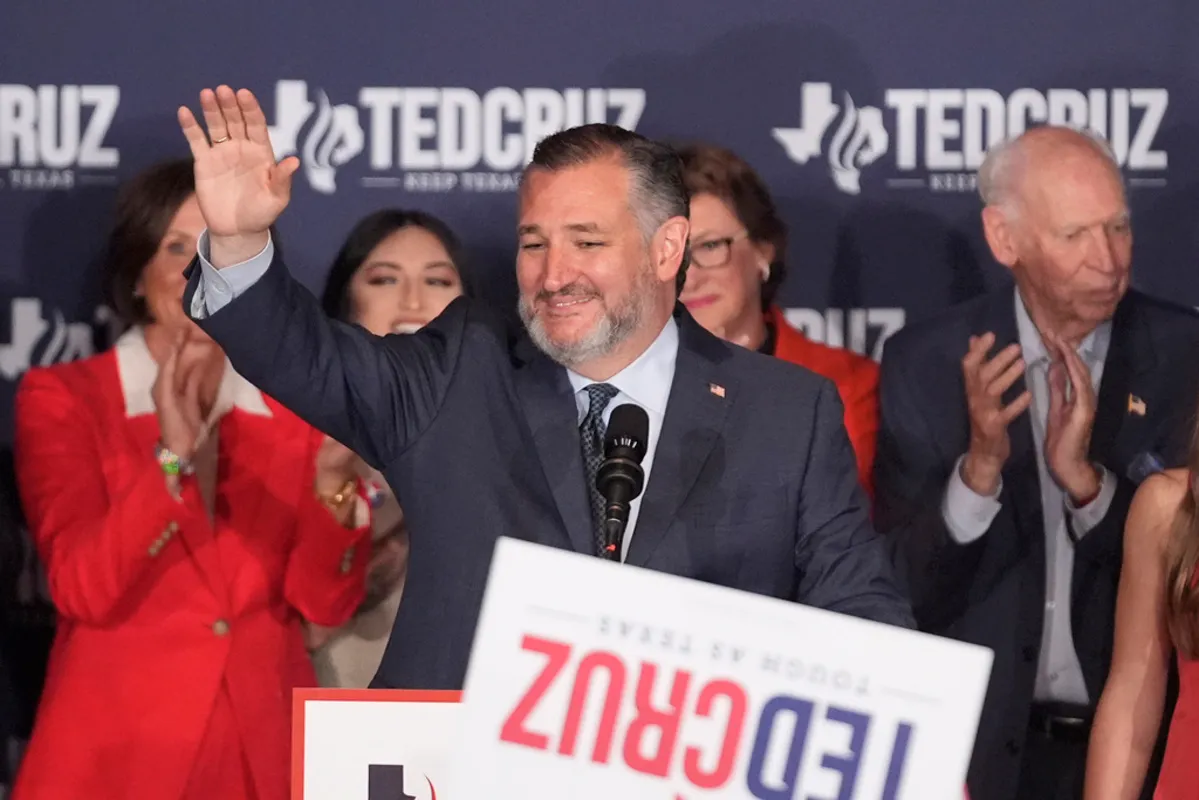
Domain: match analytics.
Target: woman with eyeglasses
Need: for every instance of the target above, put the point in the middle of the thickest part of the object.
(738, 243)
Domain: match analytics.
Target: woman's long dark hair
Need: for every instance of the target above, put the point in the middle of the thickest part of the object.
(366, 236)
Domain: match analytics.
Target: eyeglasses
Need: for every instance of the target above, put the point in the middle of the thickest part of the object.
(715, 253)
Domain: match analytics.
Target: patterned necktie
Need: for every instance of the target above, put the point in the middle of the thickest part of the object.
(591, 433)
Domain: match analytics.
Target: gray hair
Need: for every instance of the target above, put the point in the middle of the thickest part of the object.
(999, 175)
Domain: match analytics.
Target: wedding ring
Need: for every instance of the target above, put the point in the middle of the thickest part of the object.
(220, 140)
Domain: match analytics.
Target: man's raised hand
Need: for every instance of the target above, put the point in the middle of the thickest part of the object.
(241, 188)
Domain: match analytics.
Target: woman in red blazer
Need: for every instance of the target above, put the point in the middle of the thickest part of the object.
(187, 524)
(738, 242)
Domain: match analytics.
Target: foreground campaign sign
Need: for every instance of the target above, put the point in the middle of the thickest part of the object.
(591, 679)
(371, 744)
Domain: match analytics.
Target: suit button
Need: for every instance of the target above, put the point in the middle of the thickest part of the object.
(1029, 653)
(172, 527)
(347, 561)
(1012, 747)
(220, 627)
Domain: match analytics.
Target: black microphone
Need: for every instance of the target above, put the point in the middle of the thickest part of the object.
(620, 477)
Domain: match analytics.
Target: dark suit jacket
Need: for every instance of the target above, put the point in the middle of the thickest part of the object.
(12, 637)
(753, 488)
(992, 592)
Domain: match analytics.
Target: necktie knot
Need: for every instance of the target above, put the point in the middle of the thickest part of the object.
(599, 395)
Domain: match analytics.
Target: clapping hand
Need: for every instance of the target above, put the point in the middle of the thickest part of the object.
(176, 395)
(986, 380)
(1069, 422)
(335, 465)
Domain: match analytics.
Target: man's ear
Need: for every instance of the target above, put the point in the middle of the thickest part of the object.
(668, 246)
(1000, 231)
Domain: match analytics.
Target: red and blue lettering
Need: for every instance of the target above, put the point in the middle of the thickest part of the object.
(652, 742)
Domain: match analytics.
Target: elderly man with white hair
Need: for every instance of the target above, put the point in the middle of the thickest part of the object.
(1015, 428)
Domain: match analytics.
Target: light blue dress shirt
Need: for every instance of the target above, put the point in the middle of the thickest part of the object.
(968, 515)
(218, 287)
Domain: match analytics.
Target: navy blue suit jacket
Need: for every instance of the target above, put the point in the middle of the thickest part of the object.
(991, 592)
(476, 431)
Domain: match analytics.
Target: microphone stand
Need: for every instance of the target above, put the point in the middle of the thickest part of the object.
(613, 539)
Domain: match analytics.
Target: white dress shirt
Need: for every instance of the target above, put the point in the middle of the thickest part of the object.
(968, 515)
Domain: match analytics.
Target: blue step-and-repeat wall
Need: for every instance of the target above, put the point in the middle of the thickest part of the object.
(868, 119)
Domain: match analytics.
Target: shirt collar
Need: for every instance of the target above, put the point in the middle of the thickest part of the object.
(647, 380)
(138, 370)
(1092, 349)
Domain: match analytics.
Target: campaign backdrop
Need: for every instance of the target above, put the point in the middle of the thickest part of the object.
(868, 119)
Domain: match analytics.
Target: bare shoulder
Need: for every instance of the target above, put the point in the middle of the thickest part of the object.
(1164, 490)
(1156, 503)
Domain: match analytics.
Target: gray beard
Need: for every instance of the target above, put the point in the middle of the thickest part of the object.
(612, 330)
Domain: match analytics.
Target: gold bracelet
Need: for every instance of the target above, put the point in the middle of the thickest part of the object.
(341, 497)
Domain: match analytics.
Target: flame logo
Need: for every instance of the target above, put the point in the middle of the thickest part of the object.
(28, 343)
(859, 141)
(860, 138)
(333, 138)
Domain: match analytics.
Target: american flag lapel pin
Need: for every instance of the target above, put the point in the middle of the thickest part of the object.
(1136, 405)
(716, 389)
